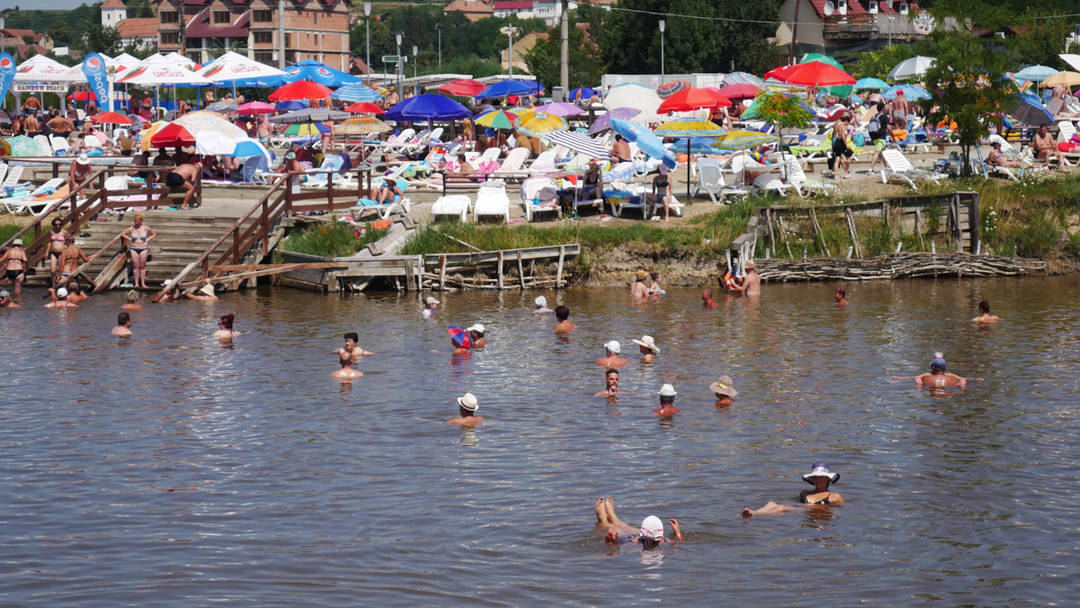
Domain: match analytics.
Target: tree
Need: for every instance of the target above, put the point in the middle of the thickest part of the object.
(586, 59)
(100, 39)
(784, 112)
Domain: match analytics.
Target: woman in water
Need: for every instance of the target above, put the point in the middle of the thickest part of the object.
(650, 534)
(346, 358)
(984, 313)
(225, 331)
(820, 477)
(137, 238)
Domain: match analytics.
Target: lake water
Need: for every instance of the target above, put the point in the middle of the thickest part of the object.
(166, 470)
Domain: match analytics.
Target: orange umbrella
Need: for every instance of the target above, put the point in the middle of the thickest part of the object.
(111, 118)
(688, 100)
(301, 89)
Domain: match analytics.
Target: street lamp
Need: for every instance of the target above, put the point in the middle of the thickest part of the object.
(509, 31)
(438, 28)
(400, 92)
(3, 24)
(417, 85)
(367, 36)
(662, 26)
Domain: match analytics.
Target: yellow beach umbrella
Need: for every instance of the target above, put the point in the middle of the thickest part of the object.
(537, 124)
(689, 127)
(1062, 79)
(361, 125)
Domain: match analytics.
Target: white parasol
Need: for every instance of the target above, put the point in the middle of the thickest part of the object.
(234, 66)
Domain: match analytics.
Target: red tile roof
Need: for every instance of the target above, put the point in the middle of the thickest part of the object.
(468, 6)
(858, 7)
(113, 4)
(138, 28)
(200, 27)
(515, 5)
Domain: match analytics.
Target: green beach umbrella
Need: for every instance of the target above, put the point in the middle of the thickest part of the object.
(822, 58)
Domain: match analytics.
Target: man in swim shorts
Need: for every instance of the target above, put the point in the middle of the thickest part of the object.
(562, 315)
(467, 406)
(183, 177)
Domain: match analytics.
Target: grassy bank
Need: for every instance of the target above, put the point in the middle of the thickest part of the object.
(336, 239)
(7, 231)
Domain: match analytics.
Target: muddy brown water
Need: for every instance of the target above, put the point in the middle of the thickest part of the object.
(167, 470)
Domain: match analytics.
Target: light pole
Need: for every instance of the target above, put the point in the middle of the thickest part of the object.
(3, 24)
(414, 62)
(400, 92)
(438, 28)
(509, 31)
(367, 36)
(662, 26)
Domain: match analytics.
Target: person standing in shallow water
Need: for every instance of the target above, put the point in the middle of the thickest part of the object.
(611, 358)
(611, 385)
(984, 313)
(724, 390)
(639, 289)
(751, 285)
(667, 407)
(562, 315)
(123, 326)
(467, 406)
(840, 296)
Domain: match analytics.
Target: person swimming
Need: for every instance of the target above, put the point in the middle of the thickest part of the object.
(839, 295)
(984, 313)
(611, 385)
(650, 534)
(541, 306)
(820, 496)
(123, 325)
(467, 406)
(225, 331)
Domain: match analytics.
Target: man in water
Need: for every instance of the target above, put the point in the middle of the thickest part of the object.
(346, 357)
(562, 315)
(707, 300)
(476, 334)
(611, 358)
(639, 289)
(724, 390)
(650, 534)
(205, 294)
(431, 306)
(75, 292)
(131, 301)
(5, 300)
(751, 285)
(984, 313)
(467, 406)
(123, 325)
(61, 295)
(611, 385)
(183, 177)
(667, 407)
(14, 263)
(839, 295)
(938, 377)
(351, 348)
(541, 306)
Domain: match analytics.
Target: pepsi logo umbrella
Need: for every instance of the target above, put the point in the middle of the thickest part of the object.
(312, 70)
(459, 336)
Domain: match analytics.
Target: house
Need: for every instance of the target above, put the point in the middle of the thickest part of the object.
(313, 29)
(834, 25)
(357, 67)
(509, 8)
(138, 32)
(474, 10)
(522, 47)
(112, 13)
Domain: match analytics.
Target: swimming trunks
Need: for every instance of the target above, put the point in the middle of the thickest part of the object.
(174, 180)
(13, 274)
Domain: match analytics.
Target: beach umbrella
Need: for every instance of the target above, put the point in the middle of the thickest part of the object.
(428, 107)
(807, 58)
(111, 118)
(639, 97)
(538, 124)
(309, 115)
(1035, 73)
(911, 92)
(911, 68)
(364, 107)
(362, 125)
(222, 107)
(741, 139)
(171, 135)
(249, 147)
(21, 145)
(232, 67)
(688, 100)
(1031, 111)
(82, 96)
(314, 71)
(739, 91)
(688, 128)
(870, 84)
(695, 145)
(505, 88)
(289, 106)
(578, 143)
(496, 119)
(603, 122)
(462, 87)
(670, 88)
(813, 73)
(213, 133)
(356, 92)
(560, 108)
(646, 140)
(307, 129)
(301, 89)
(459, 336)
(581, 93)
(1063, 79)
(256, 107)
(148, 132)
(742, 78)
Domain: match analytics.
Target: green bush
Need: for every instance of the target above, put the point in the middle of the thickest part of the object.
(337, 239)
(7, 231)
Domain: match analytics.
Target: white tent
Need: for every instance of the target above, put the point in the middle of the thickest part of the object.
(234, 66)
(156, 74)
(42, 69)
(123, 62)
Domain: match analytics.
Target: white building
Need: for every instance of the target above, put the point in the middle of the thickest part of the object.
(112, 13)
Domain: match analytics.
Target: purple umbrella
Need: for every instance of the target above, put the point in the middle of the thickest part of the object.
(560, 108)
(603, 122)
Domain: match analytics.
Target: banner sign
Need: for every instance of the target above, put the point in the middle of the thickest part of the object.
(7, 73)
(41, 87)
(96, 74)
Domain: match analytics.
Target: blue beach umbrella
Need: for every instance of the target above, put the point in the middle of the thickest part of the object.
(911, 92)
(246, 148)
(309, 69)
(428, 106)
(695, 145)
(505, 88)
(1035, 73)
(356, 92)
(581, 93)
(870, 84)
(1031, 111)
(646, 140)
(290, 106)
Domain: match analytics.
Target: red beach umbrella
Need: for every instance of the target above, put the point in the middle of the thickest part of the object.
(459, 336)
(688, 100)
(301, 89)
(364, 107)
(172, 135)
(462, 87)
(82, 96)
(814, 74)
(111, 118)
(739, 91)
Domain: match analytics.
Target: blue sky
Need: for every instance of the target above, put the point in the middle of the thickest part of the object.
(44, 4)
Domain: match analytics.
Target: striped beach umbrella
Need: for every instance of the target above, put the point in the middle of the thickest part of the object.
(579, 143)
(307, 129)
(670, 88)
(689, 127)
(356, 92)
(496, 119)
(742, 78)
(361, 125)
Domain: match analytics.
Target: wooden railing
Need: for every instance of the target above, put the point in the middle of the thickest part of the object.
(255, 226)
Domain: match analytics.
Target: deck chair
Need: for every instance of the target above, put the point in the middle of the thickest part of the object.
(453, 205)
(544, 163)
(13, 176)
(318, 177)
(59, 145)
(771, 184)
(120, 182)
(253, 165)
(512, 164)
(492, 200)
(37, 201)
(3, 171)
(1066, 130)
(395, 144)
(486, 162)
(898, 166)
(805, 186)
(383, 211)
(812, 148)
(44, 147)
(540, 194)
(711, 181)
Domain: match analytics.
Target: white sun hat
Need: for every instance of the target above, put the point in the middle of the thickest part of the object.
(667, 391)
(468, 402)
(648, 342)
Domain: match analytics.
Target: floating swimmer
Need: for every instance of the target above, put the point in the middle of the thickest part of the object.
(820, 496)
(650, 534)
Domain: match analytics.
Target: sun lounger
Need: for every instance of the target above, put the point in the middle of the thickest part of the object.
(770, 184)
(317, 178)
(512, 164)
(492, 200)
(14, 175)
(454, 205)
(812, 149)
(711, 181)
(805, 186)
(898, 166)
(135, 202)
(540, 194)
(383, 211)
(37, 201)
(544, 163)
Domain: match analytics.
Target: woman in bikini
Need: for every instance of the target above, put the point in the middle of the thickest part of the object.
(137, 238)
(662, 191)
(57, 241)
(225, 331)
(820, 477)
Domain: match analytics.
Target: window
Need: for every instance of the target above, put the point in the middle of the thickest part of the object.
(263, 16)
(872, 6)
(264, 37)
(170, 37)
(222, 17)
(264, 56)
(169, 17)
(288, 39)
(841, 7)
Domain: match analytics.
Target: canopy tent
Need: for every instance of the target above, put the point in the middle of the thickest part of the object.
(40, 68)
(158, 74)
(232, 67)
